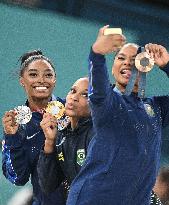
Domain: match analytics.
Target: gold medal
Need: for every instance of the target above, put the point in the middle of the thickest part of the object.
(55, 108)
(23, 114)
(144, 62)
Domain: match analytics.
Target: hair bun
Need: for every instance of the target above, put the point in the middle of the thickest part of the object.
(38, 52)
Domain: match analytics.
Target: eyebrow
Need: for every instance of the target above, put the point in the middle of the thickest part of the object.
(34, 69)
(30, 70)
(125, 55)
(76, 87)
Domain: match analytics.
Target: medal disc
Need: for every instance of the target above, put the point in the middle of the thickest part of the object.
(55, 108)
(144, 62)
(23, 114)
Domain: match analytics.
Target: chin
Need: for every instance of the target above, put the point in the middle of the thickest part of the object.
(124, 83)
(41, 97)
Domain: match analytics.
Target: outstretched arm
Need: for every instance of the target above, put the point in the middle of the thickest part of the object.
(98, 76)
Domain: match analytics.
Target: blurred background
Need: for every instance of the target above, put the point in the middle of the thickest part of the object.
(64, 30)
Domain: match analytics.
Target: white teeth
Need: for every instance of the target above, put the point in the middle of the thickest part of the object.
(125, 71)
(41, 88)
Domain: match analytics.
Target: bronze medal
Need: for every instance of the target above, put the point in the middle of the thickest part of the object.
(143, 62)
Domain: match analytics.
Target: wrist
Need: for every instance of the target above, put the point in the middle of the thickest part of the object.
(49, 146)
(96, 50)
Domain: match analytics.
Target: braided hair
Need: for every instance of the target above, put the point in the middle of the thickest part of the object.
(31, 56)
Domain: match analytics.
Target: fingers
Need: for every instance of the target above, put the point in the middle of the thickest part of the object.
(101, 31)
(118, 41)
(9, 122)
(155, 50)
(49, 126)
(158, 53)
(48, 121)
(9, 118)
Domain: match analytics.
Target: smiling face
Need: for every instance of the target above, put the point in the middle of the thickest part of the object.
(38, 79)
(123, 64)
(77, 99)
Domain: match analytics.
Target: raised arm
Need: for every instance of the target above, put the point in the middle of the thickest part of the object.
(98, 75)
(161, 58)
(49, 170)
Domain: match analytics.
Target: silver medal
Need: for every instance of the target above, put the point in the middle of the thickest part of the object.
(23, 114)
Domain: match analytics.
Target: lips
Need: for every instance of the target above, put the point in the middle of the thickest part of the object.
(41, 88)
(70, 106)
(126, 73)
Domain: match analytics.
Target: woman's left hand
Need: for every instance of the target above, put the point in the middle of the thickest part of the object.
(159, 53)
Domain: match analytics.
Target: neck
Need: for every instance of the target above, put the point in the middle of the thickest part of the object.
(74, 122)
(38, 104)
(120, 87)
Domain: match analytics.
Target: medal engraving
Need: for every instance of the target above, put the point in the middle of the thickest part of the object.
(23, 114)
(55, 108)
(144, 62)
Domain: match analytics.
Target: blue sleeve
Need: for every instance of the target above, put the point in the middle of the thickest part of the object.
(102, 98)
(49, 172)
(98, 78)
(14, 160)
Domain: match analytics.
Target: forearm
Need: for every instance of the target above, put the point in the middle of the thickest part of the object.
(98, 77)
(49, 146)
(49, 172)
(15, 164)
